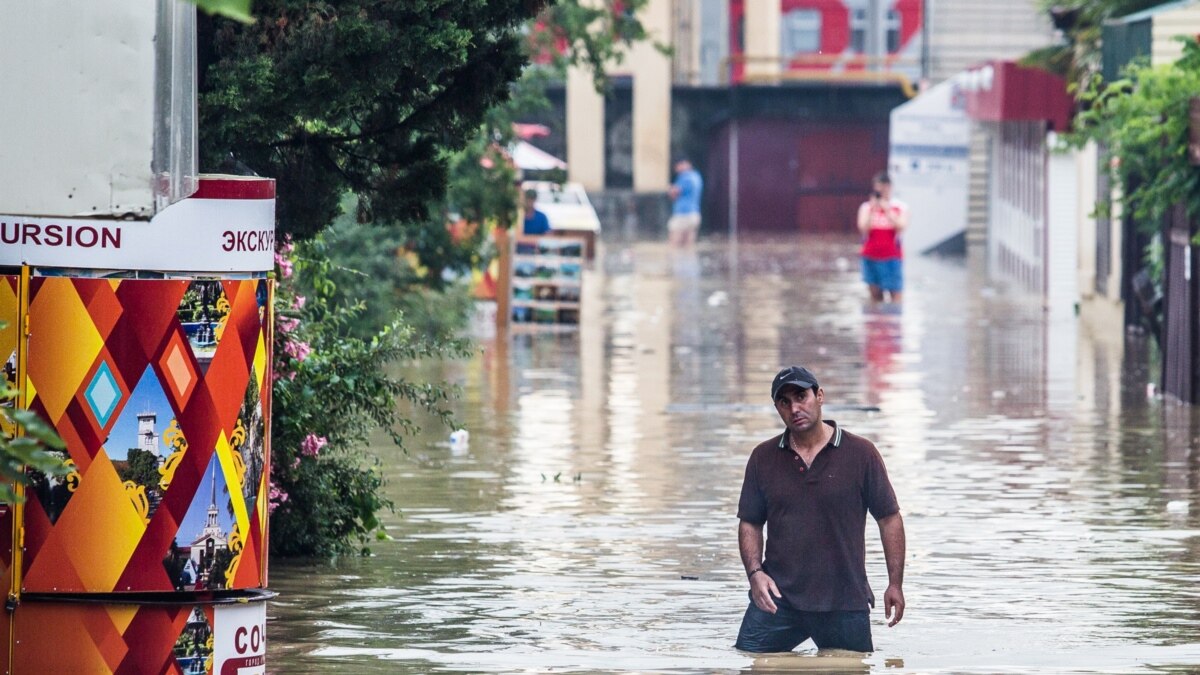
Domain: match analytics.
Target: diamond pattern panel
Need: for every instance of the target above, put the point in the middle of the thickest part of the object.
(103, 394)
(51, 637)
(156, 387)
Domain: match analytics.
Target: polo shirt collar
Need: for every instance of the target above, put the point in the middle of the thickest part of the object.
(836, 441)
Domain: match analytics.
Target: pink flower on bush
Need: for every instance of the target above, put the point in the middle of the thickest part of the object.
(278, 374)
(298, 302)
(285, 266)
(287, 324)
(312, 444)
(297, 350)
(275, 498)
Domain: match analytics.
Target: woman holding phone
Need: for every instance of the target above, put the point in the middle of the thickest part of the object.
(881, 221)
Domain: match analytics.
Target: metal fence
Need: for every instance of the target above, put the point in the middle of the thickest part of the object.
(1181, 337)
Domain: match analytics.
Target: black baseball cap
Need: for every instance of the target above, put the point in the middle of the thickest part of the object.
(796, 375)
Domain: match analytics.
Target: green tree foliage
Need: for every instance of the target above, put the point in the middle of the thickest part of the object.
(391, 102)
(593, 36)
(142, 468)
(374, 98)
(1078, 57)
(368, 265)
(1142, 121)
(220, 568)
(365, 96)
(239, 10)
(26, 443)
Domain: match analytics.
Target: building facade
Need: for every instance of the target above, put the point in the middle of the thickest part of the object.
(727, 53)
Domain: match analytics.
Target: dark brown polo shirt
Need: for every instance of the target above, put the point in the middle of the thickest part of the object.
(816, 518)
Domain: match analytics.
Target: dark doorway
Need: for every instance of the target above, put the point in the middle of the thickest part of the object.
(796, 175)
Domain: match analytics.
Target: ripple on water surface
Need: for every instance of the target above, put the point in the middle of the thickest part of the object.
(1052, 511)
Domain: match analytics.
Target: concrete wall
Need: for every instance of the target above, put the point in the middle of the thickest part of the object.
(651, 70)
(963, 33)
(1169, 25)
(763, 37)
(77, 126)
(1062, 235)
(1017, 218)
(585, 138)
(1085, 223)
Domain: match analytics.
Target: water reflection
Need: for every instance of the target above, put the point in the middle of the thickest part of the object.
(1052, 509)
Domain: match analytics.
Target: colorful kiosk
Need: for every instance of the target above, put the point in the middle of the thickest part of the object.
(146, 344)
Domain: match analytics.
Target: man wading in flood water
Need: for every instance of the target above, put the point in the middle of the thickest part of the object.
(813, 486)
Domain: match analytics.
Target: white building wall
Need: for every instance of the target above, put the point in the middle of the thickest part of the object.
(1017, 219)
(652, 101)
(1062, 234)
(1168, 25)
(77, 125)
(585, 130)
(1086, 172)
(1062, 292)
(964, 33)
(929, 165)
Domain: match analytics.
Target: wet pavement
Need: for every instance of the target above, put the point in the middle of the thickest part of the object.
(1052, 509)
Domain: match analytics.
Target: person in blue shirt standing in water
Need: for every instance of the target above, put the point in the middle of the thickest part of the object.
(685, 212)
(536, 222)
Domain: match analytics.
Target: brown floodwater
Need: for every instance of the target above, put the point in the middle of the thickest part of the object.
(1052, 506)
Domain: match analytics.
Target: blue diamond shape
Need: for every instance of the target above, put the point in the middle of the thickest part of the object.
(103, 394)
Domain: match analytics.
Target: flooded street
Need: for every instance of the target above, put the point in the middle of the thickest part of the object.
(1052, 509)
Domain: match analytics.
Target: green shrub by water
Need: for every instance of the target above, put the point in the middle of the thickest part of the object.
(333, 388)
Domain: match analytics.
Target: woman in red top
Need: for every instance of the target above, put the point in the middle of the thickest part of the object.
(881, 221)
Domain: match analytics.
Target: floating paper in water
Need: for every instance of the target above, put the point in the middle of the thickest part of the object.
(1177, 506)
(460, 439)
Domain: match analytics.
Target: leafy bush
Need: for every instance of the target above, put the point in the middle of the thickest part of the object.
(1142, 120)
(37, 447)
(332, 389)
(384, 269)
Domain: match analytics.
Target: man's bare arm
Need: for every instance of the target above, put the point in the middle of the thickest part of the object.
(891, 532)
(763, 590)
(750, 545)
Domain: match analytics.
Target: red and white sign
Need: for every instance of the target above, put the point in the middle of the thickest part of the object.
(227, 226)
(1002, 91)
(240, 639)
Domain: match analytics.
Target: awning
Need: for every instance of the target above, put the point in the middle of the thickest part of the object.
(529, 158)
(1002, 91)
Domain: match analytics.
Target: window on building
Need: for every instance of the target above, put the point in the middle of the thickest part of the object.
(859, 24)
(858, 31)
(801, 32)
(893, 31)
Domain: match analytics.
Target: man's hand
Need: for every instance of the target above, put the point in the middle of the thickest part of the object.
(764, 591)
(893, 605)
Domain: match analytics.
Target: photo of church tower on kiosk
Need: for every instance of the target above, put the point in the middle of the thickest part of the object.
(147, 434)
(204, 562)
(208, 553)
